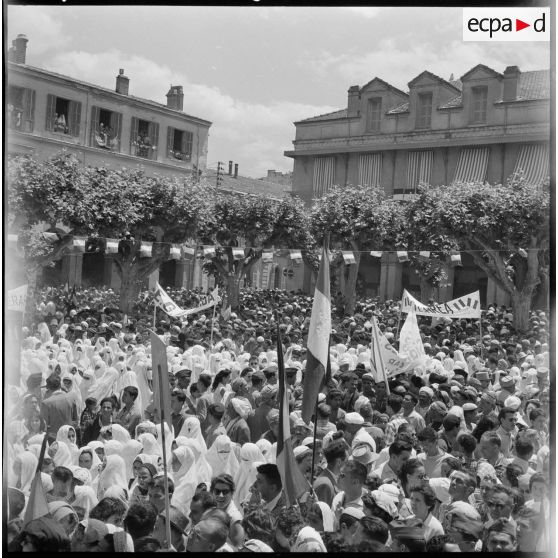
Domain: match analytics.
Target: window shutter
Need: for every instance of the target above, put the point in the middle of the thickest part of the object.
(133, 134)
(170, 138)
(187, 140)
(51, 104)
(28, 109)
(116, 125)
(94, 124)
(75, 116)
(154, 137)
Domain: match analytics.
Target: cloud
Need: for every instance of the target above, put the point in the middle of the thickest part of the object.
(254, 135)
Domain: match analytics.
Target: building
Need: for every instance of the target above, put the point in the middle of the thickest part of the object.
(482, 127)
(277, 177)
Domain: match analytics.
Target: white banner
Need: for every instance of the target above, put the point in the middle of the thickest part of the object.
(411, 348)
(165, 302)
(467, 306)
(16, 299)
(385, 360)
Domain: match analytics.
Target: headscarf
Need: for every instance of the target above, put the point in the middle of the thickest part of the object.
(94, 470)
(113, 447)
(120, 434)
(309, 540)
(250, 457)
(183, 454)
(185, 487)
(105, 386)
(75, 393)
(29, 462)
(60, 509)
(327, 517)
(148, 426)
(150, 445)
(140, 368)
(130, 451)
(265, 447)
(222, 458)
(63, 455)
(85, 498)
(205, 471)
(241, 406)
(192, 429)
(63, 436)
(169, 437)
(114, 474)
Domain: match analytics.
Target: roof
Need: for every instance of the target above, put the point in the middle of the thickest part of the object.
(457, 83)
(453, 103)
(399, 109)
(328, 116)
(111, 91)
(534, 85)
(388, 85)
(247, 185)
(487, 69)
(435, 77)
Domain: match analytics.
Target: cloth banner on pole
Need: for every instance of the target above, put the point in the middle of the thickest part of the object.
(411, 348)
(17, 299)
(208, 251)
(467, 306)
(161, 386)
(165, 302)
(385, 361)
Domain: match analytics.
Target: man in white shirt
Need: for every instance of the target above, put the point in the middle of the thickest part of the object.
(351, 482)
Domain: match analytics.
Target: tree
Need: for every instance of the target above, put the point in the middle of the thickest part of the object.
(98, 202)
(358, 219)
(241, 227)
(505, 228)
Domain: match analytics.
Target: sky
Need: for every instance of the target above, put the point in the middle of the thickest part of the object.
(253, 71)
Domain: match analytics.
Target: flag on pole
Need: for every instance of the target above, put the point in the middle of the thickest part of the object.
(318, 340)
(376, 356)
(37, 505)
(161, 387)
(294, 483)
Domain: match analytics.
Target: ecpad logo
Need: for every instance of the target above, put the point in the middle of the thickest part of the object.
(506, 24)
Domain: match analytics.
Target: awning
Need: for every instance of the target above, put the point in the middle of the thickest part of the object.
(370, 170)
(533, 161)
(419, 168)
(324, 175)
(472, 165)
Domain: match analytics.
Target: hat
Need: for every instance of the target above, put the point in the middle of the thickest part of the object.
(440, 486)
(81, 474)
(268, 392)
(465, 517)
(255, 545)
(503, 525)
(469, 407)
(405, 529)
(439, 407)
(427, 390)
(258, 375)
(354, 418)
(483, 376)
(368, 376)
(363, 454)
(270, 370)
(352, 511)
(301, 450)
(273, 416)
(512, 402)
(385, 502)
(488, 397)
(361, 401)
(507, 382)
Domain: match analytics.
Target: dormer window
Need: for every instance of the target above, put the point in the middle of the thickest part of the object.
(374, 114)
(424, 110)
(478, 105)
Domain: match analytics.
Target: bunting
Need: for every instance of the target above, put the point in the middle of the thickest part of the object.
(111, 246)
(267, 256)
(146, 249)
(349, 258)
(175, 252)
(296, 255)
(376, 254)
(79, 243)
(402, 256)
(238, 253)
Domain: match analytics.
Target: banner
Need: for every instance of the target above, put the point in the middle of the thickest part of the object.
(384, 359)
(165, 302)
(16, 299)
(467, 306)
(411, 348)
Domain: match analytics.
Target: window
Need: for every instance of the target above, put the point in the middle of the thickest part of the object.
(21, 108)
(374, 115)
(478, 107)
(179, 144)
(63, 116)
(144, 138)
(106, 126)
(424, 110)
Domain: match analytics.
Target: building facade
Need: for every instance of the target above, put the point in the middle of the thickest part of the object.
(482, 127)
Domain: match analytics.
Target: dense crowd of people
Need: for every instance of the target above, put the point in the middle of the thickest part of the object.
(452, 459)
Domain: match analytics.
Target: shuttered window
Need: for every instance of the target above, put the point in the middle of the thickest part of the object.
(179, 144)
(370, 170)
(472, 165)
(324, 175)
(533, 162)
(374, 116)
(106, 128)
(21, 108)
(424, 110)
(144, 138)
(419, 168)
(63, 116)
(478, 106)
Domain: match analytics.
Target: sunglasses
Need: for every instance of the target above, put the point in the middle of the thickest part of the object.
(224, 492)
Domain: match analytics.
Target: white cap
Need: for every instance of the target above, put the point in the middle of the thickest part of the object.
(354, 418)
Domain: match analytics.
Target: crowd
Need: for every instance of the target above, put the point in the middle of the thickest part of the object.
(452, 459)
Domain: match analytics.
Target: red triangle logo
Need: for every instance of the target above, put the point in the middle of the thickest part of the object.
(519, 25)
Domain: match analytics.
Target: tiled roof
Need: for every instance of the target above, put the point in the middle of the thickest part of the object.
(453, 103)
(399, 109)
(457, 83)
(328, 116)
(247, 185)
(434, 76)
(534, 85)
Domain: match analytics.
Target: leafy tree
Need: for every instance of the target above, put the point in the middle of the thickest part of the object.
(253, 223)
(505, 228)
(359, 219)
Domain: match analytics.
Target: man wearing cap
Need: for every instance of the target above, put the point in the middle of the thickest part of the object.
(502, 537)
(257, 421)
(425, 396)
(463, 524)
(58, 408)
(507, 383)
(355, 433)
(487, 406)
(470, 414)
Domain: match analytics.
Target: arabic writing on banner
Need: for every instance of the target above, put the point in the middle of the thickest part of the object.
(16, 299)
(165, 302)
(467, 306)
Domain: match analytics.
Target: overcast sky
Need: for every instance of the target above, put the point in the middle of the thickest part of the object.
(253, 71)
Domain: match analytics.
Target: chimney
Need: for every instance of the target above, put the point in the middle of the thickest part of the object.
(19, 49)
(122, 83)
(353, 105)
(230, 168)
(236, 170)
(511, 83)
(175, 97)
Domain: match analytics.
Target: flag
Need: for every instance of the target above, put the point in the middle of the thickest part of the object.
(146, 249)
(376, 356)
(410, 342)
(349, 257)
(296, 256)
(73, 298)
(37, 505)
(328, 366)
(161, 387)
(294, 483)
(175, 252)
(111, 246)
(17, 299)
(402, 256)
(318, 340)
(376, 254)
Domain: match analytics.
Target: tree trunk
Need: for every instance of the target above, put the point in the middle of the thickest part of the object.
(129, 287)
(32, 273)
(233, 290)
(350, 286)
(521, 304)
(426, 289)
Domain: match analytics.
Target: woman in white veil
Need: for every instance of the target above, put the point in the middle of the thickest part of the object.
(250, 458)
(185, 488)
(105, 386)
(192, 429)
(221, 457)
(113, 474)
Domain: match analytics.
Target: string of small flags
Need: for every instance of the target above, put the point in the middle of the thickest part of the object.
(179, 251)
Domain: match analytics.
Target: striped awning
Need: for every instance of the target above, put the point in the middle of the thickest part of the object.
(419, 168)
(370, 170)
(324, 175)
(472, 165)
(533, 161)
